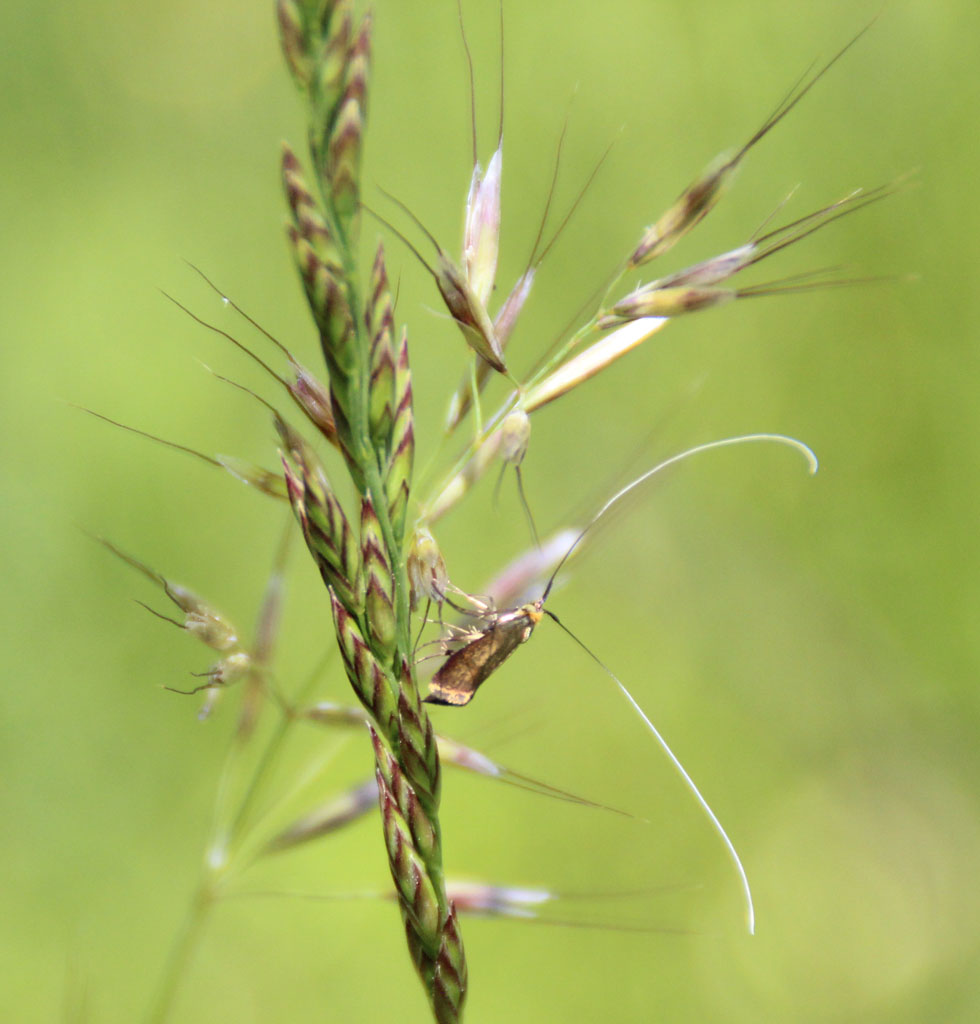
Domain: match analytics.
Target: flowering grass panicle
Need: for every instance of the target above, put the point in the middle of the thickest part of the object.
(372, 536)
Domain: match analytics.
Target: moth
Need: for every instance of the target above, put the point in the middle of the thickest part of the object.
(467, 669)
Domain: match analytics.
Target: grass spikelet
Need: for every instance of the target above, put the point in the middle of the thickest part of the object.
(398, 478)
(379, 322)
(379, 586)
(309, 219)
(371, 684)
(325, 528)
(699, 198)
(340, 163)
(594, 359)
(336, 813)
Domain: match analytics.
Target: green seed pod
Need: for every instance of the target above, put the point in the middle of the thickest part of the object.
(408, 867)
(403, 376)
(380, 616)
(418, 895)
(323, 292)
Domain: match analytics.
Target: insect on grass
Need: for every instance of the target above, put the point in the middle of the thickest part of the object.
(348, 474)
(465, 670)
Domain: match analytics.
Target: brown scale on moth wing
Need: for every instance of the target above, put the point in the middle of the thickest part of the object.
(465, 670)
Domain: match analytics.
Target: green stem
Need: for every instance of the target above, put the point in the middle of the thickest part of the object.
(266, 761)
(184, 944)
(271, 751)
(475, 398)
(205, 895)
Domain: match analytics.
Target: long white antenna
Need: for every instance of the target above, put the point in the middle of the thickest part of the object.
(688, 781)
(712, 817)
(725, 442)
(684, 774)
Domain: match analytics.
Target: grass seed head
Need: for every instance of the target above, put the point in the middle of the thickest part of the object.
(712, 271)
(591, 361)
(506, 319)
(690, 208)
(344, 157)
(515, 436)
(380, 325)
(481, 234)
(469, 312)
(331, 31)
(371, 684)
(263, 480)
(461, 301)
(503, 325)
(230, 669)
(427, 575)
(459, 485)
(204, 622)
(664, 302)
(313, 397)
(308, 217)
(201, 619)
(486, 900)
(398, 477)
(696, 201)
(329, 712)
(326, 530)
(293, 37)
(378, 584)
(331, 815)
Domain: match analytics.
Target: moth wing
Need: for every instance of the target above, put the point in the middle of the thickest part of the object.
(465, 670)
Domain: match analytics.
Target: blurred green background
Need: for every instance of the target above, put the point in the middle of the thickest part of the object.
(809, 646)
